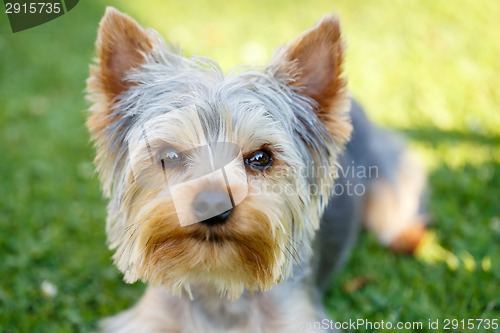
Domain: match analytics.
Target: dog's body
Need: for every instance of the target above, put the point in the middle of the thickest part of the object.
(259, 264)
(387, 195)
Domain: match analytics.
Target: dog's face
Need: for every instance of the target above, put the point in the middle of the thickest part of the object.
(214, 179)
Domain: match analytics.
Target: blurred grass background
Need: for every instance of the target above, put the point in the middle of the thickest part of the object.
(427, 68)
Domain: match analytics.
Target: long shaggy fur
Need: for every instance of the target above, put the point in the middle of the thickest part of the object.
(146, 96)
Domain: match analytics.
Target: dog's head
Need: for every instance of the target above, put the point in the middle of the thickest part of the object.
(212, 178)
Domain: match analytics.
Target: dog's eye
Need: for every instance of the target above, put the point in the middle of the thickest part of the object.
(169, 157)
(260, 160)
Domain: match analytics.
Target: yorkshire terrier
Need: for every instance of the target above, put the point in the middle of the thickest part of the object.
(220, 184)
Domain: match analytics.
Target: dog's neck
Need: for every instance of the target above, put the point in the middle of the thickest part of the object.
(215, 310)
(282, 309)
(252, 312)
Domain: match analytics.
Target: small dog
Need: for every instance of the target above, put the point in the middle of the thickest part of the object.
(218, 184)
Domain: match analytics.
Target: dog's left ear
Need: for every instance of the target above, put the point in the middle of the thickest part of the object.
(312, 64)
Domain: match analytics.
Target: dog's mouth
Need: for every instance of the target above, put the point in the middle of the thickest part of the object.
(215, 229)
(217, 233)
(209, 237)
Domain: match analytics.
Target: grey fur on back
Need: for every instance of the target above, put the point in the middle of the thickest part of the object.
(370, 146)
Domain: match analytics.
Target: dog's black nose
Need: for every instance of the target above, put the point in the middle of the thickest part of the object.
(212, 207)
(219, 219)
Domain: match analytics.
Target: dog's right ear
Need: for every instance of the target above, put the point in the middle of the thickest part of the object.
(313, 64)
(122, 44)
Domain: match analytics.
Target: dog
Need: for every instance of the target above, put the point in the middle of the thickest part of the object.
(237, 196)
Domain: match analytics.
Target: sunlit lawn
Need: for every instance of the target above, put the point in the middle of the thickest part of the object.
(427, 68)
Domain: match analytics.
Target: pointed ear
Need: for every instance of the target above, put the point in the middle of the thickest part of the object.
(122, 44)
(313, 64)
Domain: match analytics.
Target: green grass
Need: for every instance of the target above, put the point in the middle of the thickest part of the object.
(427, 68)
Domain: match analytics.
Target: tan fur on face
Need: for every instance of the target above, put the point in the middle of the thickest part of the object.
(252, 250)
(143, 85)
(246, 252)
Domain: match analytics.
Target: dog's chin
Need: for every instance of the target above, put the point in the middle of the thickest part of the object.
(242, 254)
(212, 259)
(223, 267)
